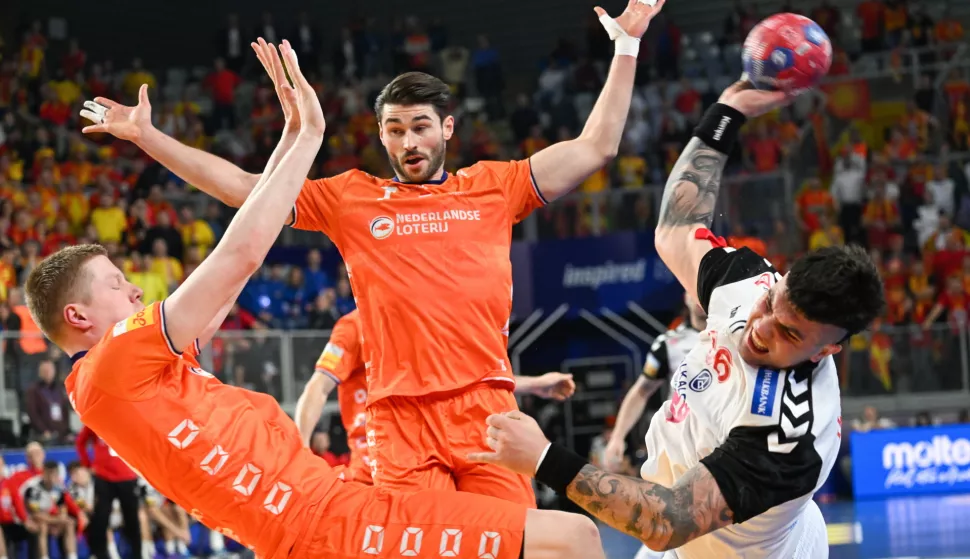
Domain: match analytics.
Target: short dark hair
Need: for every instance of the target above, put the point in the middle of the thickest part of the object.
(73, 465)
(51, 466)
(414, 88)
(839, 286)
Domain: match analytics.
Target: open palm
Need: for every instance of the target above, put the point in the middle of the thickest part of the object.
(121, 121)
(635, 19)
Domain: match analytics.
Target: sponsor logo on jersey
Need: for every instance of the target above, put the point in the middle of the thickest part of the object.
(381, 227)
(144, 317)
(424, 223)
(678, 409)
(765, 385)
(701, 381)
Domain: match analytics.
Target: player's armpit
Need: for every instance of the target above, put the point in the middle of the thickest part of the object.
(688, 205)
(661, 517)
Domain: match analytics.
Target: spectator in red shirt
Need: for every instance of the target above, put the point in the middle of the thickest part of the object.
(954, 302)
(113, 479)
(689, 99)
(222, 84)
(16, 524)
(73, 61)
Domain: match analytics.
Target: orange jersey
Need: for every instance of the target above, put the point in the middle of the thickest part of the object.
(341, 361)
(230, 457)
(430, 270)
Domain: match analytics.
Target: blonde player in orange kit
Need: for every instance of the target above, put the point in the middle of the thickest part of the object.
(428, 258)
(341, 366)
(231, 456)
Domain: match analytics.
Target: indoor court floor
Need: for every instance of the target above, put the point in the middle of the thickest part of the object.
(935, 527)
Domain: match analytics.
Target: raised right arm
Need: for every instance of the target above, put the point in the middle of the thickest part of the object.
(210, 174)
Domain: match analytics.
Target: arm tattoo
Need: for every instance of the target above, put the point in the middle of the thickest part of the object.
(691, 192)
(661, 517)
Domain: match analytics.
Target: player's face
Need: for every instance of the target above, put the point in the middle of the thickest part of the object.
(778, 336)
(414, 137)
(111, 298)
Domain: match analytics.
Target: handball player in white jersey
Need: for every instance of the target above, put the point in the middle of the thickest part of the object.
(753, 424)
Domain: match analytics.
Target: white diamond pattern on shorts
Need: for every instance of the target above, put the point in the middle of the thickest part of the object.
(489, 546)
(183, 434)
(250, 485)
(280, 491)
(214, 461)
(450, 543)
(373, 540)
(411, 542)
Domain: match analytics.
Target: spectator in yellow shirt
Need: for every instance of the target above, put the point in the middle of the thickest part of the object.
(168, 267)
(135, 78)
(631, 168)
(196, 232)
(827, 235)
(109, 220)
(151, 282)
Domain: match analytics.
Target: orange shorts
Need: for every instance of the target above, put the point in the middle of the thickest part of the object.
(423, 442)
(363, 521)
(359, 469)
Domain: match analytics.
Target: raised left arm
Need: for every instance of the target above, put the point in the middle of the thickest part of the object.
(562, 167)
(661, 517)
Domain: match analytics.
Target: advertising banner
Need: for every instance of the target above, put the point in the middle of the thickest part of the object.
(911, 461)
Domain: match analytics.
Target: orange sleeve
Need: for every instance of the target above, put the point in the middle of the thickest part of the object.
(129, 360)
(341, 355)
(316, 206)
(517, 184)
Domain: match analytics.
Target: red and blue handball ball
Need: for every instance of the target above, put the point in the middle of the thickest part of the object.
(786, 52)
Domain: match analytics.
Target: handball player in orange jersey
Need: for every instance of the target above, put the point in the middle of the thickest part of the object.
(341, 366)
(230, 456)
(427, 254)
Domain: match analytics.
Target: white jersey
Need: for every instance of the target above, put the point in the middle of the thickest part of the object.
(768, 437)
(668, 352)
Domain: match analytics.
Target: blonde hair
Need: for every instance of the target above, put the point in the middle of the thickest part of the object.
(56, 282)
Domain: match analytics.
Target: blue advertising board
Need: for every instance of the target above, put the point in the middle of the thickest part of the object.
(16, 460)
(911, 461)
(592, 274)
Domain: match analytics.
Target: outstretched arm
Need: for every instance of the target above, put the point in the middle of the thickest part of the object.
(555, 386)
(563, 166)
(691, 193)
(309, 407)
(213, 175)
(661, 517)
(255, 227)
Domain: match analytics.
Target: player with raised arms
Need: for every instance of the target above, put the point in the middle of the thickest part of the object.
(427, 254)
(232, 457)
(753, 425)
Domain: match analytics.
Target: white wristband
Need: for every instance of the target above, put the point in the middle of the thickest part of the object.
(542, 457)
(625, 45)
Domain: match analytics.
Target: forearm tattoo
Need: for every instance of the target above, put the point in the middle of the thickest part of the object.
(691, 192)
(661, 517)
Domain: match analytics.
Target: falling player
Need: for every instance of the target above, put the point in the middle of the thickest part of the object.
(341, 366)
(753, 425)
(428, 258)
(666, 354)
(232, 457)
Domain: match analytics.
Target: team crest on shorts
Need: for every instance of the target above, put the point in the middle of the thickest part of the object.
(381, 227)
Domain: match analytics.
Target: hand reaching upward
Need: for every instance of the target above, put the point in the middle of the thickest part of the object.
(635, 19)
(121, 121)
(269, 57)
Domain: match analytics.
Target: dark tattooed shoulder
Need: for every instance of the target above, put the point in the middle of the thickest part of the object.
(662, 517)
(691, 192)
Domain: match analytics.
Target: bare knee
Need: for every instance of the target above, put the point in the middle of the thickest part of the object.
(561, 535)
